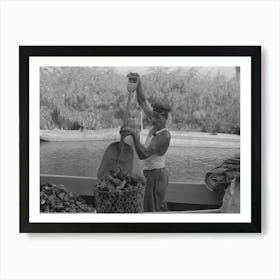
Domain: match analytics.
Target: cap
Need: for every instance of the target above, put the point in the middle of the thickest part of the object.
(161, 108)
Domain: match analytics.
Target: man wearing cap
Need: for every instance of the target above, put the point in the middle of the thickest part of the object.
(153, 151)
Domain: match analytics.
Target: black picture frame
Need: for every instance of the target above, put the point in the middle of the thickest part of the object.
(254, 52)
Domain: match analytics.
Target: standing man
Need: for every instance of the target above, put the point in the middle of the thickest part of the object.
(154, 151)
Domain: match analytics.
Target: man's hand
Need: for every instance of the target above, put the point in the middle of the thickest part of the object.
(133, 81)
(126, 131)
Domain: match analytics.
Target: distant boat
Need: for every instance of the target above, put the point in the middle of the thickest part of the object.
(44, 139)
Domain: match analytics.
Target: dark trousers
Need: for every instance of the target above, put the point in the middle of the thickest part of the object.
(156, 185)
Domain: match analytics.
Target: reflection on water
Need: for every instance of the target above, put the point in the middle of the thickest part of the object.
(185, 164)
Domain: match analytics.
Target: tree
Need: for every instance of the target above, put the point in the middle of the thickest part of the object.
(95, 97)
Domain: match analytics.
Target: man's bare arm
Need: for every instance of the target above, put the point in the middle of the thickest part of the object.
(142, 100)
(158, 146)
(141, 150)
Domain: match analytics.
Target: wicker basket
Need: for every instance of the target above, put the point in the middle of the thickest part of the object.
(128, 201)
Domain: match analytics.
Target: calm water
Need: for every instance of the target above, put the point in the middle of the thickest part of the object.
(185, 164)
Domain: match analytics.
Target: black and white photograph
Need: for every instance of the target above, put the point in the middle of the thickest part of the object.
(141, 139)
(149, 135)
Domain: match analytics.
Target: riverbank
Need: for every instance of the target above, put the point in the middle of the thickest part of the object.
(178, 138)
(78, 135)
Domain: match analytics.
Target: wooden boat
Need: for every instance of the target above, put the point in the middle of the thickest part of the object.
(44, 139)
(183, 197)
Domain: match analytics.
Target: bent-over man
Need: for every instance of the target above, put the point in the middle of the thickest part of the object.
(153, 151)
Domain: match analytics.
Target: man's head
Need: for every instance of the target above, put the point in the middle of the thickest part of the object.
(160, 115)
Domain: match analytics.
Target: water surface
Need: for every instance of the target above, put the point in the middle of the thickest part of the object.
(185, 164)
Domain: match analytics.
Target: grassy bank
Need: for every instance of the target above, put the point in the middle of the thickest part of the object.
(179, 138)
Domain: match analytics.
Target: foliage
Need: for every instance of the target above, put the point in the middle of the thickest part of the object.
(95, 97)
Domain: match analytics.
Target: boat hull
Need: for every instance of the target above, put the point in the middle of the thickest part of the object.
(180, 196)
